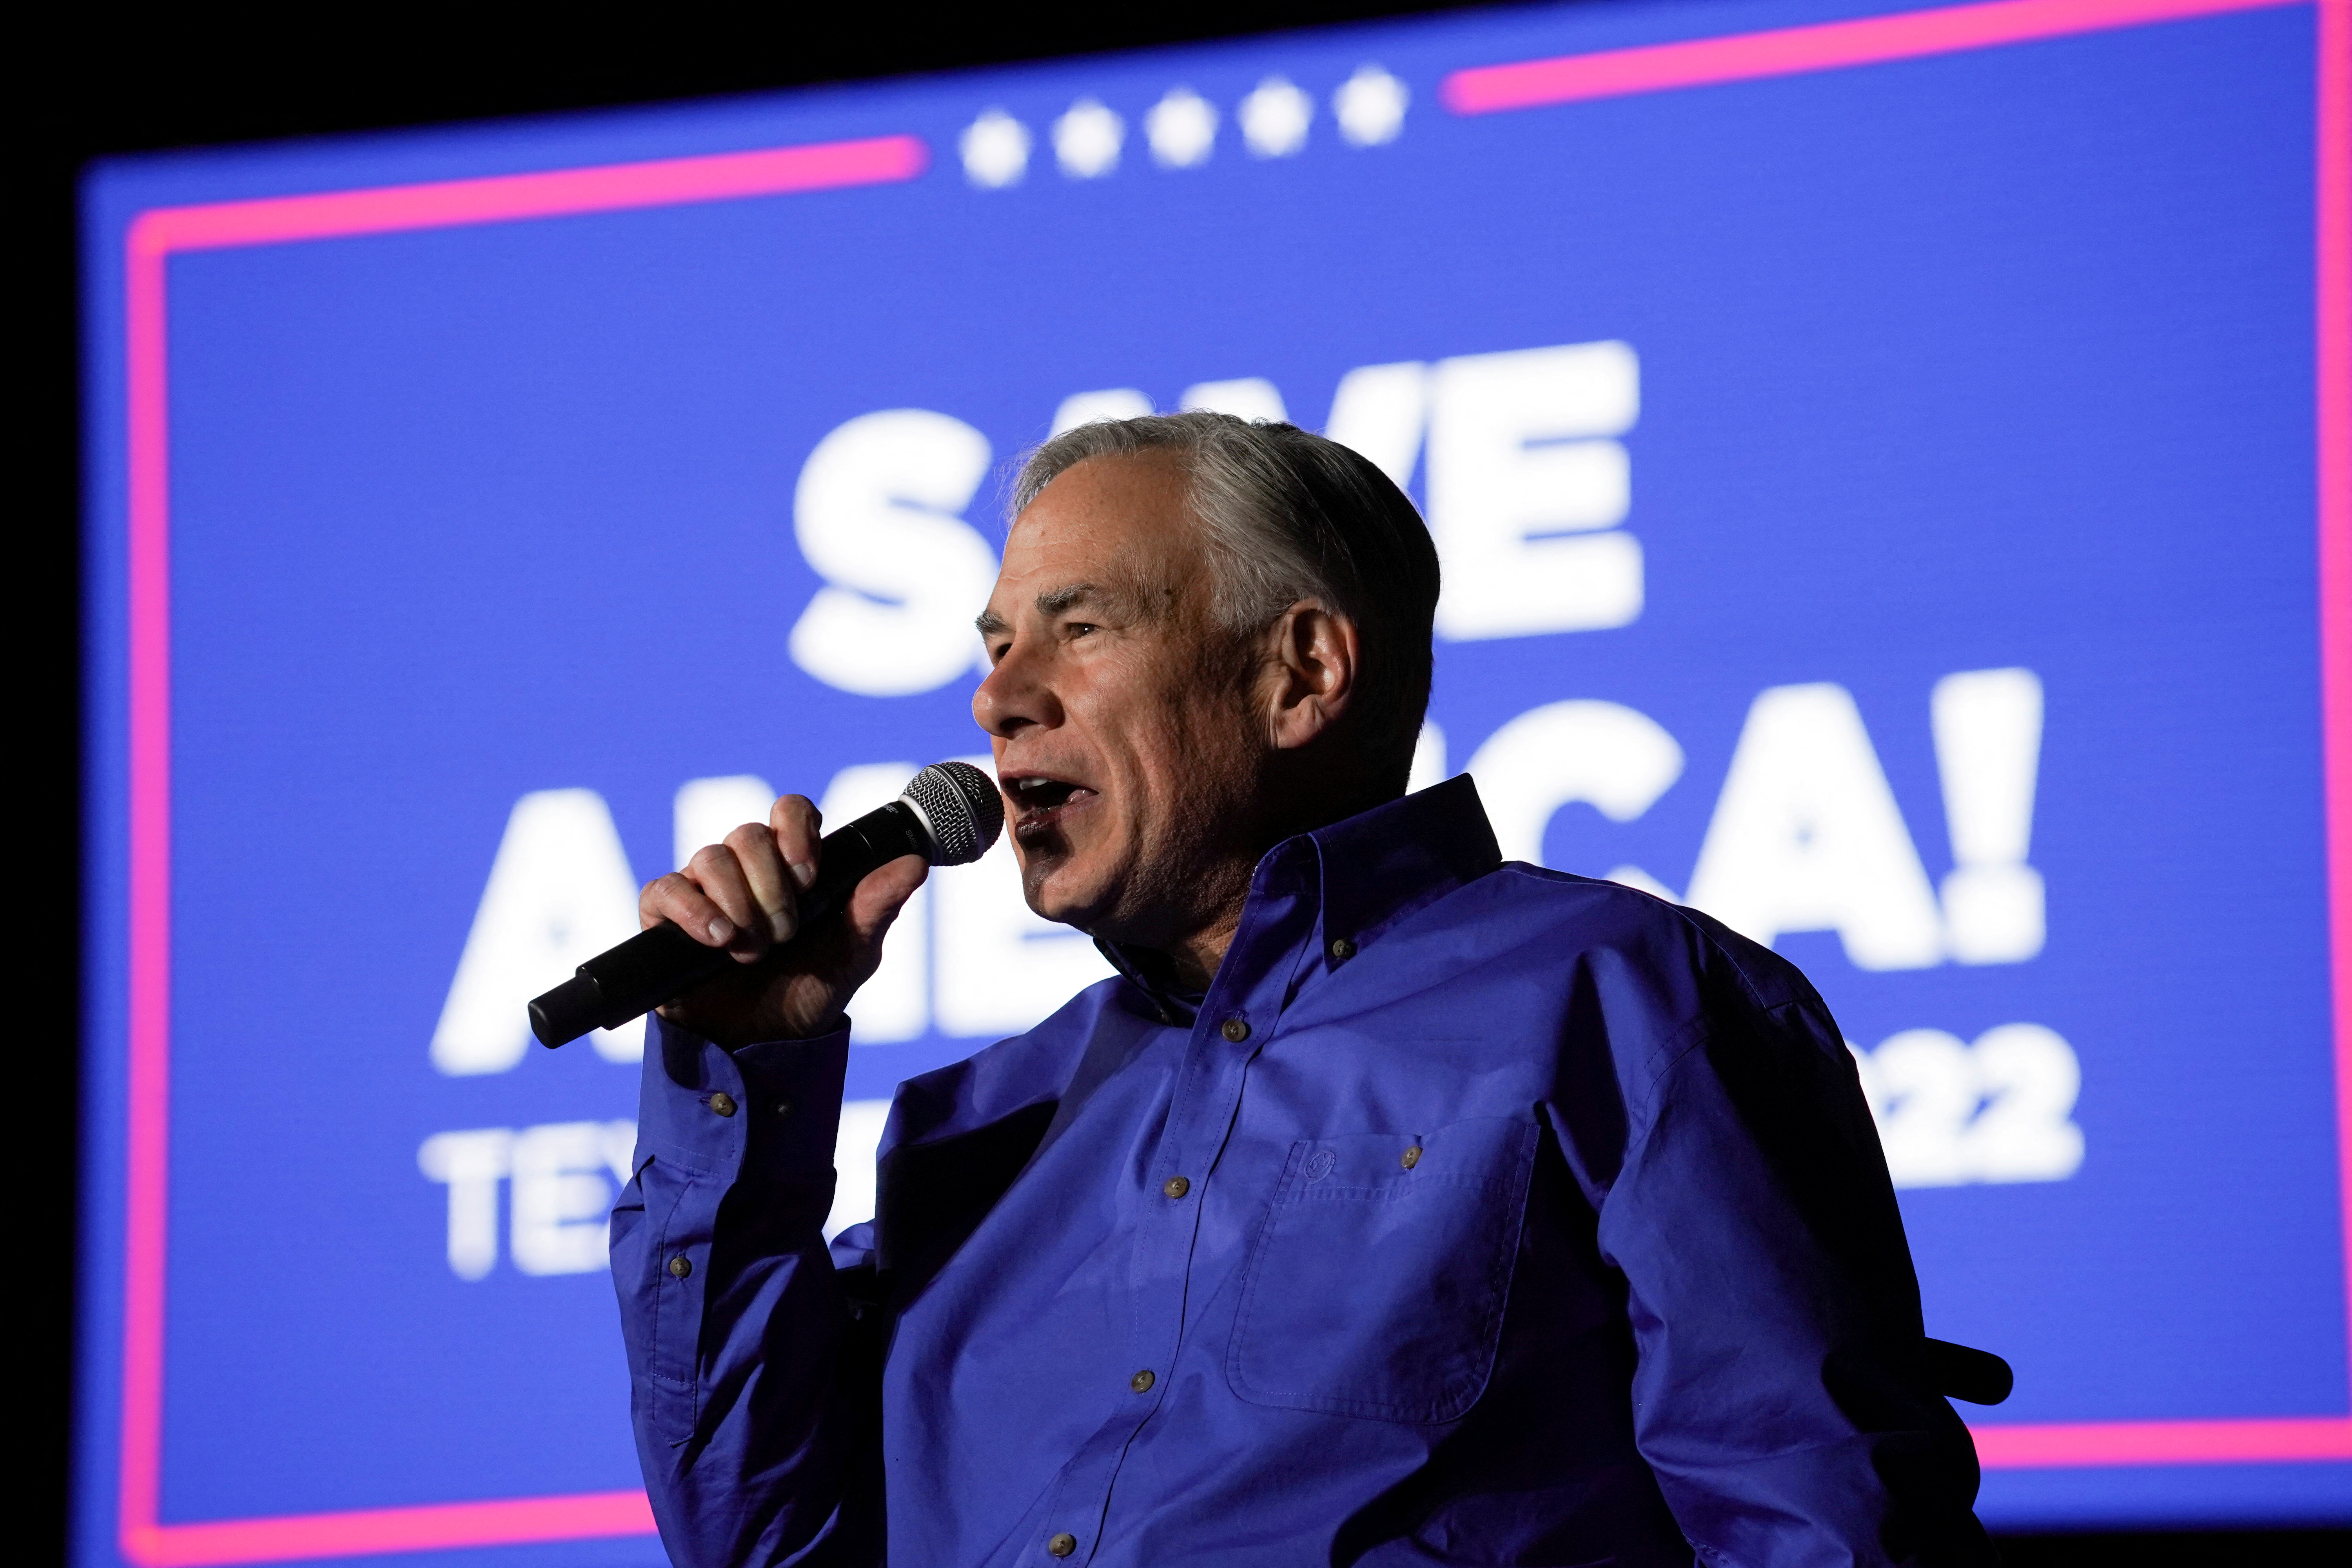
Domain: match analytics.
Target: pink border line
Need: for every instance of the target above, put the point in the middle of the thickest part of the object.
(154, 238)
(508, 1521)
(1828, 45)
(504, 198)
(156, 235)
(2334, 326)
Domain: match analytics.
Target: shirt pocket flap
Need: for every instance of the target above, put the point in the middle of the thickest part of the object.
(1377, 1283)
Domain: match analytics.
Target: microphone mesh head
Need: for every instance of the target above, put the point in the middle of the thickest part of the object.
(960, 806)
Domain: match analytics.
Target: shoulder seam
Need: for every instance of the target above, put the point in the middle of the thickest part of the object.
(1682, 916)
(1680, 1044)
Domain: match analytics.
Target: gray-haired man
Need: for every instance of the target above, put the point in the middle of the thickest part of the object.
(1394, 1205)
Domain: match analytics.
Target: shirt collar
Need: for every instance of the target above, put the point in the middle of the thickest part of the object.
(1369, 871)
(1382, 865)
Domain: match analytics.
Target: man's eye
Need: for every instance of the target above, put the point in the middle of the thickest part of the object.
(1080, 628)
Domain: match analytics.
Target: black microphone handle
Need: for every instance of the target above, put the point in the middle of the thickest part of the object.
(662, 962)
(1962, 1371)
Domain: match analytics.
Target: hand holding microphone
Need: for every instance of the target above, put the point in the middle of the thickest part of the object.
(739, 946)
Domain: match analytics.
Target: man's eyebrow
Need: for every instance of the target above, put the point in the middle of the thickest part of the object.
(1060, 600)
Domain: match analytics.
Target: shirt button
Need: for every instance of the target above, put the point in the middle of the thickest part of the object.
(723, 1103)
(1142, 1380)
(1237, 1030)
(1176, 1186)
(783, 1107)
(1411, 1158)
(680, 1267)
(1342, 950)
(1061, 1545)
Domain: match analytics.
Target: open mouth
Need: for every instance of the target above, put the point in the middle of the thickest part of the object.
(1038, 801)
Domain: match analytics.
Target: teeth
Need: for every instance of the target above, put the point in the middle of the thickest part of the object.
(1043, 794)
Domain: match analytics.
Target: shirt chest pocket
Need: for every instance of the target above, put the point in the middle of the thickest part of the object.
(1376, 1286)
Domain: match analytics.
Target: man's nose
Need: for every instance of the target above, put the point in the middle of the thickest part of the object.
(1015, 695)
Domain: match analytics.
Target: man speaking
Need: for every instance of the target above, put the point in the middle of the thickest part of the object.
(1395, 1203)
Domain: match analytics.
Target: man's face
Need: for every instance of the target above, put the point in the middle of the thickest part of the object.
(1123, 718)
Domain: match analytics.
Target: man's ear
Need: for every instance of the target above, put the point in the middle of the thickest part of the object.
(1316, 661)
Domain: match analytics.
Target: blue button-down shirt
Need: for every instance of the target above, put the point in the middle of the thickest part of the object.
(1478, 1214)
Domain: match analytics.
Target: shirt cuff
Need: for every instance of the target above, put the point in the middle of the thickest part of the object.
(771, 1110)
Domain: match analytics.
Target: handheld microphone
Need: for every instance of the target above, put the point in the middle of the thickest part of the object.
(949, 815)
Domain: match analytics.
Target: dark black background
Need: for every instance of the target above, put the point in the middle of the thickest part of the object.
(110, 79)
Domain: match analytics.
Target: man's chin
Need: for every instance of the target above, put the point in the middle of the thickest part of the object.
(1057, 892)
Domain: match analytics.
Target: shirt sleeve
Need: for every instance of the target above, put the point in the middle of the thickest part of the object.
(1781, 1392)
(750, 1385)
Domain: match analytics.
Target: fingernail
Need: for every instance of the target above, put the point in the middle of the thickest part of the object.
(802, 874)
(721, 931)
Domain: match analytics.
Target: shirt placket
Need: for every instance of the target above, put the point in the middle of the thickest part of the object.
(1239, 1016)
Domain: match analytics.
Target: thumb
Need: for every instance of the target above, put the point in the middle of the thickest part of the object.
(883, 893)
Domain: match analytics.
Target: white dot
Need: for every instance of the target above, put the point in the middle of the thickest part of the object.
(1087, 140)
(1370, 106)
(1181, 128)
(995, 149)
(1275, 117)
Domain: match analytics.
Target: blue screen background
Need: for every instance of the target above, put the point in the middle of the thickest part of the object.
(1990, 361)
